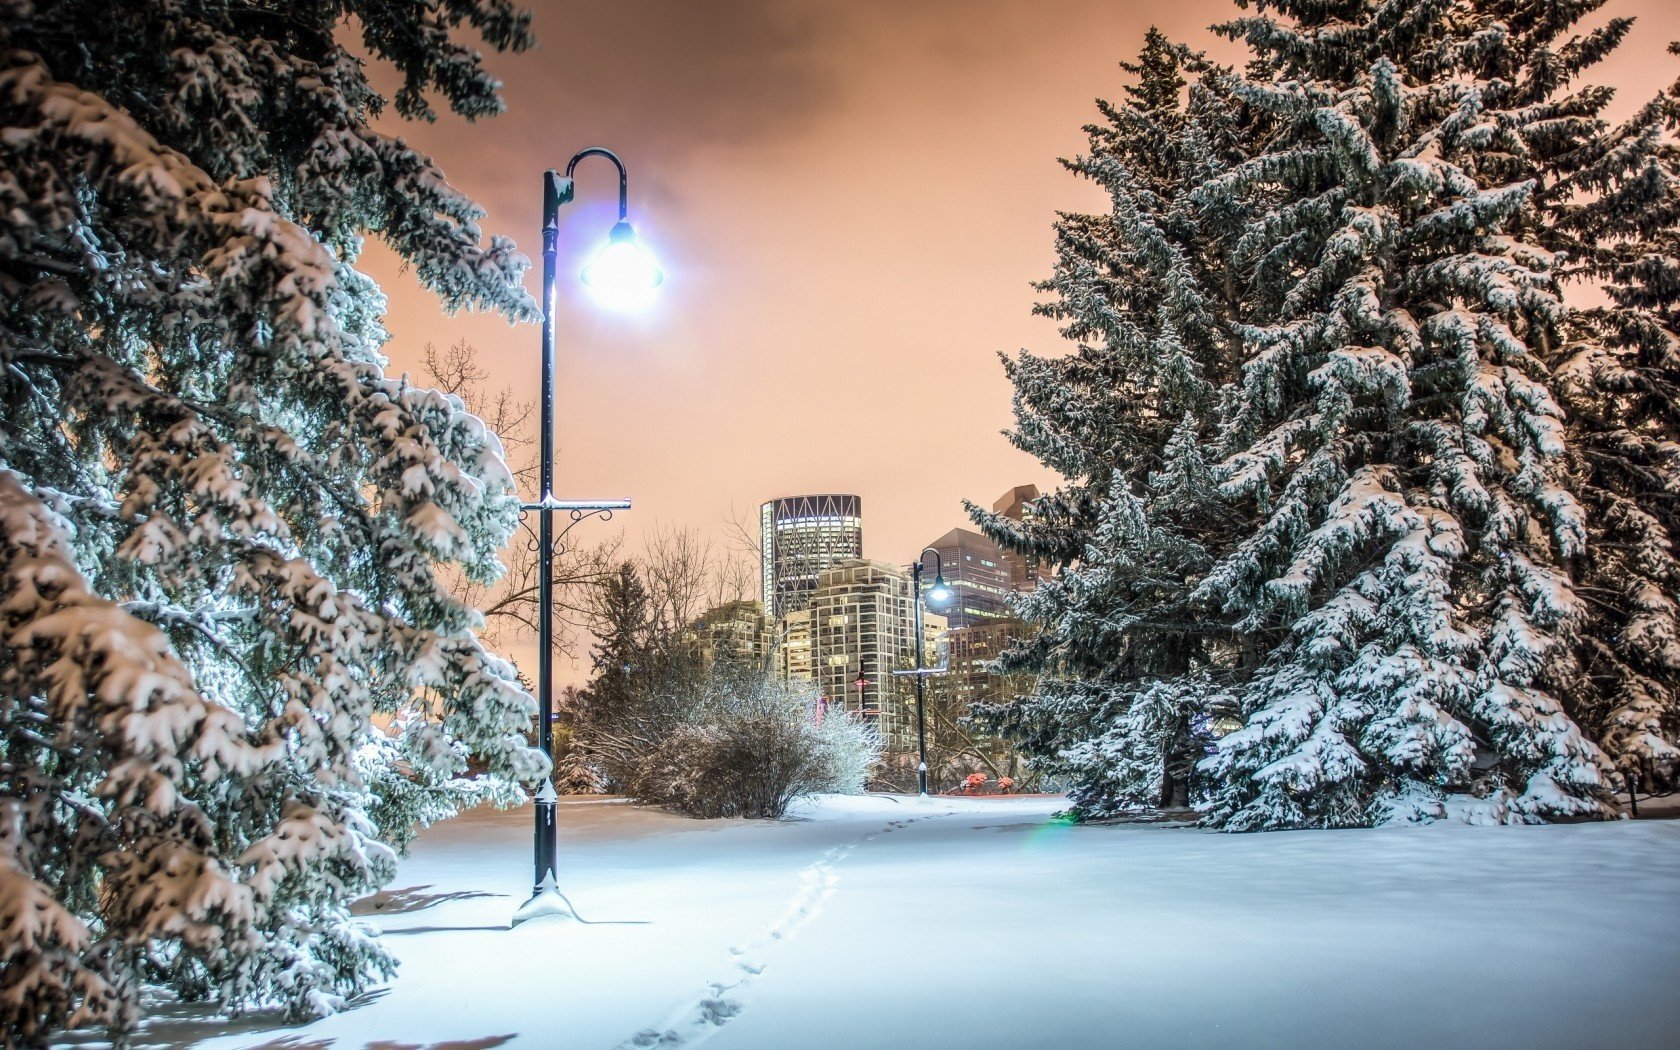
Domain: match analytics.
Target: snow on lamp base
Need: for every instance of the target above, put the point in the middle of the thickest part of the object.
(548, 900)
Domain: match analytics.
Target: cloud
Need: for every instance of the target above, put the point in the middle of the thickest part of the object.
(681, 75)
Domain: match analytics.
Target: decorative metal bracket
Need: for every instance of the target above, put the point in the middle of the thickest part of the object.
(585, 506)
(577, 510)
(925, 671)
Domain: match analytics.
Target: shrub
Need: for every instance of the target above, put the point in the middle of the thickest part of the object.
(718, 740)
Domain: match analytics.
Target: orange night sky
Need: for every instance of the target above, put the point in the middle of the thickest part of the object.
(849, 201)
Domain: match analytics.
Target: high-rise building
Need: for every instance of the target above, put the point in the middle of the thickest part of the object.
(737, 631)
(799, 537)
(858, 628)
(978, 575)
(794, 650)
(1024, 570)
(969, 677)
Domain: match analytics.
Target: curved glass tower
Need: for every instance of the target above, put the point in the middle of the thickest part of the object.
(800, 536)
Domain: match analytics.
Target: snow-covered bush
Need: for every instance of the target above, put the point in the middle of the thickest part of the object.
(720, 739)
(711, 734)
(575, 771)
(847, 748)
(731, 741)
(222, 526)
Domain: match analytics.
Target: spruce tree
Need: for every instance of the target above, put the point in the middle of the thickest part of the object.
(1127, 667)
(1395, 434)
(221, 523)
(625, 638)
(1331, 473)
(1618, 218)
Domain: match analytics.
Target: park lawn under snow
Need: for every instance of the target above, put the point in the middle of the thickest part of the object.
(978, 923)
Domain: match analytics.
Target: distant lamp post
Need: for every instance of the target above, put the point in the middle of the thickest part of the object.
(1225, 725)
(622, 275)
(938, 596)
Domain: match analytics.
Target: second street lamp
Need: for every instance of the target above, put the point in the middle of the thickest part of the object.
(938, 596)
(622, 275)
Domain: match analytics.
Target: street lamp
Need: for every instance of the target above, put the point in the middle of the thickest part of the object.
(938, 596)
(622, 275)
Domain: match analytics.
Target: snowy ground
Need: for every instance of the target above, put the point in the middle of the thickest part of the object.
(972, 924)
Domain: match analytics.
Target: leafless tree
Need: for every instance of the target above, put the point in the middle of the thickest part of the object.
(742, 533)
(455, 370)
(686, 575)
(510, 604)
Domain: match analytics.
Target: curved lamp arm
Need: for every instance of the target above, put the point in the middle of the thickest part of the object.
(558, 188)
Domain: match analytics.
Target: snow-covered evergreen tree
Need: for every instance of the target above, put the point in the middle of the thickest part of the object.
(221, 523)
(1618, 217)
(1315, 435)
(1394, 431)
(1127, 665)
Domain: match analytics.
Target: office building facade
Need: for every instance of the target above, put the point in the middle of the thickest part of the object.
(978, 575)
(1025, 571)
(738, 632)
(970, 677)
(857, 629)
(795, 647)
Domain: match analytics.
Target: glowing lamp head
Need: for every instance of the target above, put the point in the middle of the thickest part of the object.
(939, 595)
(622, 275)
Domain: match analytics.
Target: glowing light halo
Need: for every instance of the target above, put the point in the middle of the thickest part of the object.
(622, 275)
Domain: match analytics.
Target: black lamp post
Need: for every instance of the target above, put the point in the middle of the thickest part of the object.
(622, 275)
(938, 595)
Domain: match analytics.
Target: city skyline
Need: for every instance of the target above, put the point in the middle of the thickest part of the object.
(573, 664)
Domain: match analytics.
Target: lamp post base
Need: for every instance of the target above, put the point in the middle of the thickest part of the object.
(547, 900)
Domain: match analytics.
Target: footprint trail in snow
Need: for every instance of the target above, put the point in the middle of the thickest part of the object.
(723, 1000)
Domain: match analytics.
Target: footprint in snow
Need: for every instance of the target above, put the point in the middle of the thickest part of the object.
(718, 1011)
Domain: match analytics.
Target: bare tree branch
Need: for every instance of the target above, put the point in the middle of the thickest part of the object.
(509, 605)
